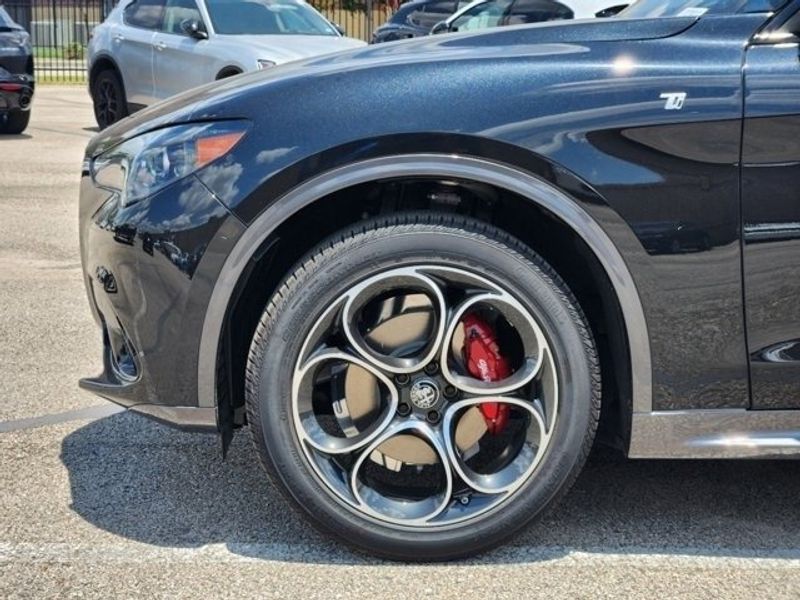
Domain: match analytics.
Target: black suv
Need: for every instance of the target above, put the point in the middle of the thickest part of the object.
(425, 304)
(16, 75)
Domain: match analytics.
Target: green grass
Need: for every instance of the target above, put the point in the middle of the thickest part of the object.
(61, 52)
(60, 79)
(48, 52)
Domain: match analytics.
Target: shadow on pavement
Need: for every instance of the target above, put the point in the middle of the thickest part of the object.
(155, 485)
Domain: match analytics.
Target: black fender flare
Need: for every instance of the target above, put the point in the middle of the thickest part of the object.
(93, 70)
(534, 188)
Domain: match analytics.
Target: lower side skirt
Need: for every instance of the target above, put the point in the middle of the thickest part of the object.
(724, 433)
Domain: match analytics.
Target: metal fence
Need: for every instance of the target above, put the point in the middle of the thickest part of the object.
(60, 29)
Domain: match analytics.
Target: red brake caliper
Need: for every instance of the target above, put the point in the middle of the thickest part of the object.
(484, 361)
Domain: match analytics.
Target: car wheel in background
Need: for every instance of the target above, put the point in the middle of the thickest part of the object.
(229, 72)
(422, 386)
(108, 96)
(15, 121)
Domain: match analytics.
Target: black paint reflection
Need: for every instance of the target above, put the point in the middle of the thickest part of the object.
(771, 216)
(176, 230)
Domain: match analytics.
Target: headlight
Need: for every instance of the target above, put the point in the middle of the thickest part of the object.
(265, 64)
(143, 165)
(20, 39)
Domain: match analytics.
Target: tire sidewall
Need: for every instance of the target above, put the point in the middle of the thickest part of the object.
(331, 276)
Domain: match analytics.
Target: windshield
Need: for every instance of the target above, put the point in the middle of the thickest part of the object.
(497, 13)
(5, 20)
(695, 8)
(267, 17)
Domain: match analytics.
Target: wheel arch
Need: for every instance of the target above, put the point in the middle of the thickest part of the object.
(260, 235)
(228, 71)
(102, 63)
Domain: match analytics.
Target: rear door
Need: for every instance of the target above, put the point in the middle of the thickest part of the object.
(771, 218)
(132, 47)
(180, 62)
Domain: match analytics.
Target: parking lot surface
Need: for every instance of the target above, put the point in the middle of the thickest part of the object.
(95, 502)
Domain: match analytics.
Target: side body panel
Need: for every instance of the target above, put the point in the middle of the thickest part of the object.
(663, 184)
(180, 63)
(771, 219)
(579, 106)
(132, 48)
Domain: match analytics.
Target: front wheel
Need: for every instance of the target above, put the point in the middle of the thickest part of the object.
(108, 98)
(422, 387)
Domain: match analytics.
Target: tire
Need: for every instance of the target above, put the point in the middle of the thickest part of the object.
(16, 121)
(452, 252)
(108, 98)
(225, 73)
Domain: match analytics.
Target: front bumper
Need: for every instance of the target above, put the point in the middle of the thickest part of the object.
(149, 269)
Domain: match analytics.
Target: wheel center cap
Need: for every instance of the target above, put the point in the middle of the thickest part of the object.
(424, 394)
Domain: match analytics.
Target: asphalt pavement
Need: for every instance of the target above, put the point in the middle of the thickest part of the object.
(99, 503)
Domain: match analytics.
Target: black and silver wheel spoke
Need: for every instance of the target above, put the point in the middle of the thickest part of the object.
(107, 102)
(395, 419)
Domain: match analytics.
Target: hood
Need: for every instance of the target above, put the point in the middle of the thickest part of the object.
(218, 99)
(285, 48)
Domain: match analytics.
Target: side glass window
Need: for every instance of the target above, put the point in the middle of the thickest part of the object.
(416, 16)
(536, 11)
(402, 15)
(435, 12)
(146, 14)
(178, 11)
(482, 16)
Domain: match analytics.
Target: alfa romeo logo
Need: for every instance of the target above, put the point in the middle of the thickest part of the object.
(424, 394)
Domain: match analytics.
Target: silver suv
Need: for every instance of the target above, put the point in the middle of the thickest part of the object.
(148, 50)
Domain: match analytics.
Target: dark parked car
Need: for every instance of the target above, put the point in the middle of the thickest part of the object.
(425, 312)
(414, 19)
(483, 14)
(421, 17)
(16, 75)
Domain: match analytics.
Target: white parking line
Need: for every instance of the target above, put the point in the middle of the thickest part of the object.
(532, 556)
(92, 412)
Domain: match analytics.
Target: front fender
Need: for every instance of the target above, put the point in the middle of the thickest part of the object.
(535, 188)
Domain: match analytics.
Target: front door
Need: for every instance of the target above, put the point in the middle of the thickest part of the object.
(132, 45)
(771, 222)
(180, 62)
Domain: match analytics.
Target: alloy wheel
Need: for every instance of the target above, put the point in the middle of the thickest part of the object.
(400, 421)
(107, 102)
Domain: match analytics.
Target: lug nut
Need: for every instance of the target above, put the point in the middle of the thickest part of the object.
(433, 416)
(401, 379)
(403, 409)
(431, 368)
(450, 391)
